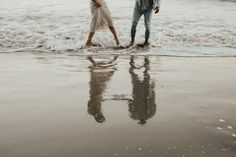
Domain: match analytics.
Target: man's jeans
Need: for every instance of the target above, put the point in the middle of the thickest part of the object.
(138, 12)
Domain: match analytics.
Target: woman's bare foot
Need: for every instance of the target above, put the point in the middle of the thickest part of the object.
(88, 44)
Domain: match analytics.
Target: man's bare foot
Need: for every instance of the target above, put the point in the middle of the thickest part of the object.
(131, 44)
(145, 44)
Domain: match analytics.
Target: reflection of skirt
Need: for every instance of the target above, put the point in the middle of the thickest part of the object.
(101, 17)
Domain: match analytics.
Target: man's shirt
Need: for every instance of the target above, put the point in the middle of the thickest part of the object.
(145, 4)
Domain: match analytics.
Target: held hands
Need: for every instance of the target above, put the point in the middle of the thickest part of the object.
(157, 9)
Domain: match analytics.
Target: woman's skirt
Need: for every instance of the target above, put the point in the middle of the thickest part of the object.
(101, 17)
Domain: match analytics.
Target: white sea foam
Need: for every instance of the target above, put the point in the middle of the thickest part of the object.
(183, 28)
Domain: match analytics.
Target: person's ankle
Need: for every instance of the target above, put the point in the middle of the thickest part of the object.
(117, 41)
(131, 43)
(144, 44)
(88, 44)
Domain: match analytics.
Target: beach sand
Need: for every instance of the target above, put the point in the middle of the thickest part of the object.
(58, 105)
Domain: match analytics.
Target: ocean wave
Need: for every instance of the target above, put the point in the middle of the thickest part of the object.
(50, 29)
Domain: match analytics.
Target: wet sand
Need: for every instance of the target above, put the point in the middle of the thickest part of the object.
(56, 105)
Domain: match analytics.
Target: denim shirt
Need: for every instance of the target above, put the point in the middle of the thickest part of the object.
(155, 2)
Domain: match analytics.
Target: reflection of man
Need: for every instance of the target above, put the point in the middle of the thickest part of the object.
(142, 106)
(101, 73)
(143, 7)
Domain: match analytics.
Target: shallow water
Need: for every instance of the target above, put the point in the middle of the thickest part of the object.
(60, 105)
(183, 28)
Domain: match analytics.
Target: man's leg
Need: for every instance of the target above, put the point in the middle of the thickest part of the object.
(147, 21)
(136, 17)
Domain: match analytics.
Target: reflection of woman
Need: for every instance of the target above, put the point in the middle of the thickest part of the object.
(100, 17)
(142, 106)
(101, 73)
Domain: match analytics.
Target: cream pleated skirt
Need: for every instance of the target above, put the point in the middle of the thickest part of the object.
(101, 17)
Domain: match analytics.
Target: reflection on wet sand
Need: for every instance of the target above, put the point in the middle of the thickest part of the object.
(141, 105)
(101, 73)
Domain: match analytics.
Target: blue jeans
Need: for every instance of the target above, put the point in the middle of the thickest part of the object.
(138, 12)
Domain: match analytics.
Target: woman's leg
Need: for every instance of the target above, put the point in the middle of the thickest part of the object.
(92, 26)
(107, 17)
(115, 35)
(90, 37)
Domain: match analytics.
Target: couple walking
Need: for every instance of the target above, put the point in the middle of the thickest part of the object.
(101, 17)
